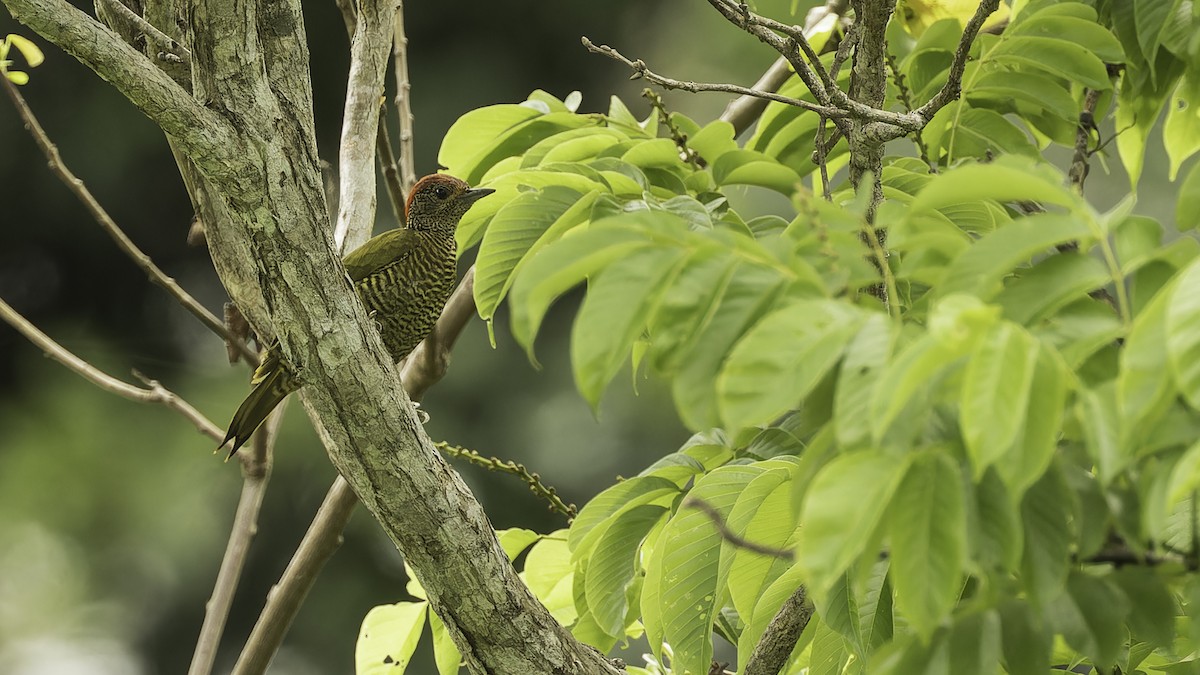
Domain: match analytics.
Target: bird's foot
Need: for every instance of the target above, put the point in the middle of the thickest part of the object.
(421, 414)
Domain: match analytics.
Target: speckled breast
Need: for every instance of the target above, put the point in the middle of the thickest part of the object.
(406, 298)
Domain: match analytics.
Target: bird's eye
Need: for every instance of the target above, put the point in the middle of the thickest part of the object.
(441, 192)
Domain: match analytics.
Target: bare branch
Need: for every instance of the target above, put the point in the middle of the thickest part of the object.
(953, 87)
(154, 393)
(771, 653)
(732, 537)
(640, 70)
(391, 174)
(143, 261)
(423, 368)
(323, 537)
(256, 471)
(408, 172)
(744, 110)
(169, 46)
(356, 156)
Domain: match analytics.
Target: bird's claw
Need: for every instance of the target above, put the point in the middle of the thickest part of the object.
(422, 416)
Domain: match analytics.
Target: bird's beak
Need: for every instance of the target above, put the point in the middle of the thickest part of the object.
(474, 195)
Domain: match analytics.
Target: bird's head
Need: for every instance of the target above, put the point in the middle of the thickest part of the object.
(438, 202)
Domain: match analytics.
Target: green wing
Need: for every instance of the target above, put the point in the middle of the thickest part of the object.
(379, 252)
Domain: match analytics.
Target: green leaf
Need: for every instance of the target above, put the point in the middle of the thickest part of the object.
(1187, 208)
(1185, 477)
(29, 51)
(994, 530)
(1026, 642)
(1024, 93)
(1090, 616)
(995, 393)
(515, 540)
(445, 652)
(1038, 439)
(928, 531)
(388, 638)
(978, 133)
(762, 514)
(477, 129)
(614, 314)
(1097, 411)
(747, 167)
(561, 266)
(1143, 390)
(1181, 131)
(614, 563)
(829, 654)
(605, 508)
(714, 140)
(1046, 513)
(980, 268)
(767, 604)
(1054, 55)
(513, 232)
(1150, 16)
(1182, 332)
(550, 575)
(844, 503)
(1152, 608)
(1006, 179)
(742, 298)
(974, 643)
(781, 360)
(866, 357)
(1081, 31)
(691, 554)
(1050, 285)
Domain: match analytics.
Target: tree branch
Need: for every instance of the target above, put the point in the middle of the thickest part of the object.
(153, 393)
(771, 653)
(953, 87)
(276, 257)
(731, 536)
(143, 261)
(640, 70)
(408, 172)
(424, 368)
(256, 471)
(356, 156)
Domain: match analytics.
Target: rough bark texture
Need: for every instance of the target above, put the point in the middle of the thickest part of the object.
(249, 132)
(868, 85)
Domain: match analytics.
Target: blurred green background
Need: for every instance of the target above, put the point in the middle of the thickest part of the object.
(114, 515)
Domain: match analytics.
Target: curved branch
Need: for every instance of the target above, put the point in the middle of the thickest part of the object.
(143, 261)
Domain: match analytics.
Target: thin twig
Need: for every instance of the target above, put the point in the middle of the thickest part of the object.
(256, 471)
(1084, 133)
(745, 110)
(143, 261)
(153, 393)
(906, 98)
(391, 175)
(408, 172)
(732, 537)
(423, 368)
(642, 71)
(780, 638)
(689, 154)
(169, 46)
(323, 537)
(534, 481)
(953, 87)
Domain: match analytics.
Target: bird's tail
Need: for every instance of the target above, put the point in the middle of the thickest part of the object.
(272, 383)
